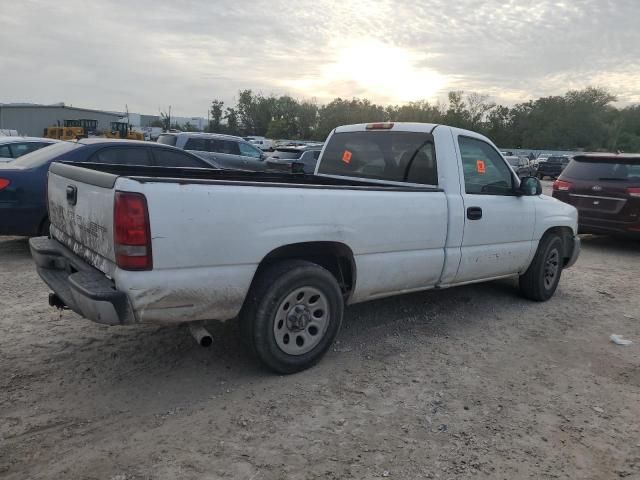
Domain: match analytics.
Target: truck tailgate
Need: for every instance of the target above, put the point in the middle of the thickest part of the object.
(81, 213)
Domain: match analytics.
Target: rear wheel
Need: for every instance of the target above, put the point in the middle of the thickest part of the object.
(541, 279)
(292, 315)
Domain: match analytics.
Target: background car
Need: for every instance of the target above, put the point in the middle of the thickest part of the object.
(224, 151)
(284, 157)
(552, 167)
(23, 195)
(520, 165)
(14, 147)
(605, 188)
(262, 143)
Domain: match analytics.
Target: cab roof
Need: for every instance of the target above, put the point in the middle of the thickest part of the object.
(389, 126)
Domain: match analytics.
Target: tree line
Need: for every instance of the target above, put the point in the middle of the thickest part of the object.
(578, 120)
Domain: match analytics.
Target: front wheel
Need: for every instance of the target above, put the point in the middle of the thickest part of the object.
(541, 279)
(292, 315)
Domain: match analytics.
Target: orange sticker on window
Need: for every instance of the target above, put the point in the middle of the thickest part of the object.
(480, 166)
(346, 156)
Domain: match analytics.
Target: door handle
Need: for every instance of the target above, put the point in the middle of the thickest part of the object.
(474, 213)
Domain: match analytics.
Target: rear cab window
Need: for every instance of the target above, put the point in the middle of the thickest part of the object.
(395, 156)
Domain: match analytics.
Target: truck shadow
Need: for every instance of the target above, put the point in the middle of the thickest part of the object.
(131, 365)
(16, 247)
(611, 243)
(149, 368)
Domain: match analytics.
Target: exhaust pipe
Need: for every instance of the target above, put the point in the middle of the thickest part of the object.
(56, 301)
(202, 336)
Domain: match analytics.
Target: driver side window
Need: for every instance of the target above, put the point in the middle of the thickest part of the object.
(485, 172)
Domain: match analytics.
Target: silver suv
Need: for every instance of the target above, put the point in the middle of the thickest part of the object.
(224, 151)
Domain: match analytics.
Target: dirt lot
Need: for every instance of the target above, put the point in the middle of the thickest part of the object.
(469, 382)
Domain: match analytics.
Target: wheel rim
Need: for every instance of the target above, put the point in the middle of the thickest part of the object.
(551, 268)
(301, 320)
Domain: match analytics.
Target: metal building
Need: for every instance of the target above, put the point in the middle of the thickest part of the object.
(32, 119)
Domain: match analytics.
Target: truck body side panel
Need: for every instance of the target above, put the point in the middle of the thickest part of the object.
(212, 238)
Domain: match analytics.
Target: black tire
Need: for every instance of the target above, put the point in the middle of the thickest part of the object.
(265, 334)
(540, 176)
(541, 279)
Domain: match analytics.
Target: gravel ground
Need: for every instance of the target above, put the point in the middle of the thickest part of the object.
(472, 382)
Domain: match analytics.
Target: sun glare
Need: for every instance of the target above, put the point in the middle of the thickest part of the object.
(376, 70)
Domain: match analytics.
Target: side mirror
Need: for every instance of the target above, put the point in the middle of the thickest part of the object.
(529, 187)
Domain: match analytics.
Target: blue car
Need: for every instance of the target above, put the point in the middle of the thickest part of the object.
(23, 182)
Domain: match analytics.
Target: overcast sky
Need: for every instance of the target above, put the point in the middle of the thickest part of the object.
(151, 54)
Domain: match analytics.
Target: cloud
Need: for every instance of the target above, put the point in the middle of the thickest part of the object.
(149, 55)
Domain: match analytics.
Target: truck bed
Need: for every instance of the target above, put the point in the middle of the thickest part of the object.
(146, 174)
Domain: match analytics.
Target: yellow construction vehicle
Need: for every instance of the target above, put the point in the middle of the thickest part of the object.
(72, 129)
(123, 130)
(64, 133)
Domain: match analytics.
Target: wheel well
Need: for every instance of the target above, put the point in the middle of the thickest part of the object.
(566, 235)
(336, 257)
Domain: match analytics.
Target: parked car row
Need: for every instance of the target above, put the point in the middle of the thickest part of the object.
(286, 158)
(23, 193)
(552, 166)
(521, 165)
(541, 167)
(220, 151)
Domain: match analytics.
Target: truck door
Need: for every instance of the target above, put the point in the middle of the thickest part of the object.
(499, 225)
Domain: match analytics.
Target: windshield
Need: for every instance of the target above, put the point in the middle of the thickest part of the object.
(44, 155)
(513, 161)
(603, 170)
(167, 140)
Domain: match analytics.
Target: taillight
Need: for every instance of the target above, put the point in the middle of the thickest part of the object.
(132, 236)
(633, 191)
(562, 186)
(4, 183)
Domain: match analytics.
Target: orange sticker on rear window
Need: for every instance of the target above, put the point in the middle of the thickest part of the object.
(346, 156)
(480, 166)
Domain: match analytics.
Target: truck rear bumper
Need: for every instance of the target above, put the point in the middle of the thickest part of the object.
(79, 286)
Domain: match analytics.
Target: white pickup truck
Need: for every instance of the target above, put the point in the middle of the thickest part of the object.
(391, 209)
